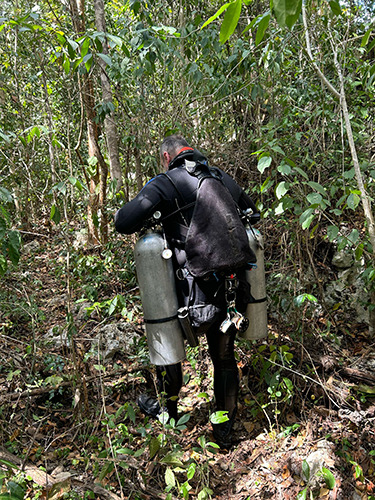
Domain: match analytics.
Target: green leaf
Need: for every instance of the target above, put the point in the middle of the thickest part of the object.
(230, 21)
(124, 451)
(88, 60)
(85, 46)
(287, 11)
(306, 218)
(218, 417)
(335, 7)
(328, 478)
(332, 232)
(55, 214)
(366, 37)
(279, 209)
(131, 413)
(14, 245)
(191, 471)
(318, 187)
(314, 198)
(306, 470)
(170, 479)
(16, 490)
(301, 299)
(112, 306)
(3, 265)
(282, 189)
(184, 419)
(284, 168)
(3, 228)
(9, 464)
(216, 15)
(76, 183)
(301, 172)
(116, 39)
(263, 163)
(66, 65)
(302, 495)
(74, 45)
(8, 496)
(105, 58)
(353, 201)
(154, 447)
(173, 459)
(262, 27)
(359, 251)
(34, 131)
(349, 174)
(353, 237)
(5, 195)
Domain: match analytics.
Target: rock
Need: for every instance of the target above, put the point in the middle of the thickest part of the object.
(58, 336)
(349, 292)
(342, 259)
(322, 457)
(114, 338)
(357, 496)
(31, 247)
(58, 301)
(80, 239)
(80, 309)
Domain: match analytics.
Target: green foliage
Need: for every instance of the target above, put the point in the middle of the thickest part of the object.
(287, 11)
(10, 240)
(12, 484)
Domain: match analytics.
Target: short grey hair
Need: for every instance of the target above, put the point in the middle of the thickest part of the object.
(172, 144)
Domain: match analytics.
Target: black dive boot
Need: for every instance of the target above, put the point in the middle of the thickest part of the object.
(151, 407)
(148, 405)
(223, 432)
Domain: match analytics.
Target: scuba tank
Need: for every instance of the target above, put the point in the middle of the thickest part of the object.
(156, 281)
(256, 310)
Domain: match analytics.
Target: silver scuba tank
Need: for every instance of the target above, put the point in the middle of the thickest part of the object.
(159, 299)
(256, 311)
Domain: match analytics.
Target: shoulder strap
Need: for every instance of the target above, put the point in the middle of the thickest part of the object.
(199, 170)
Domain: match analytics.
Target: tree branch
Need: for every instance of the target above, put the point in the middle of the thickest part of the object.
(316, 67)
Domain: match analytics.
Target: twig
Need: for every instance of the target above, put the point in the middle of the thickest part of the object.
(97, 489)
(42, 390)
(316, 67)
(108, 432)
(302, 375)
(33, 234)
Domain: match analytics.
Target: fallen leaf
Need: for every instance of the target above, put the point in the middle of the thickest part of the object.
(249, 426)
(286, 473)
(324, 493)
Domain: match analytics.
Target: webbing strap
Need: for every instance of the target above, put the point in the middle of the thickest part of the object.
(161, 320)
(257, 301)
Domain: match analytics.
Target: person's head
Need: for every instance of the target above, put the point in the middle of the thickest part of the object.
(170, 148)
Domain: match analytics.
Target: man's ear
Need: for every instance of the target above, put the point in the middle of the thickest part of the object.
(167, 158)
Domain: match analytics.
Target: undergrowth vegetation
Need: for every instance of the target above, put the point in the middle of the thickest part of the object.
(66, 403)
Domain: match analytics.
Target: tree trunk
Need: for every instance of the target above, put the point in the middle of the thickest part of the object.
(365, 199)
(109, 121)
(99, 178)
(49, 115)
(138, 168)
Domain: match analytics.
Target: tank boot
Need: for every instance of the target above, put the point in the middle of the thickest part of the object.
(151, 407)
(223, 432)
(148, 405)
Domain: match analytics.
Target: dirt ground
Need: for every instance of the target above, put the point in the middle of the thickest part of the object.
(70, 427)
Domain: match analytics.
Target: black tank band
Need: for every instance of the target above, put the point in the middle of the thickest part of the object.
(257, 301)
(161, 320)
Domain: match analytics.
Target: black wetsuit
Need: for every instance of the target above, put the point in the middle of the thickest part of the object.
(169, 195)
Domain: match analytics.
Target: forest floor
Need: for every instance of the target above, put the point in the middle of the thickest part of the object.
(70, 427)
